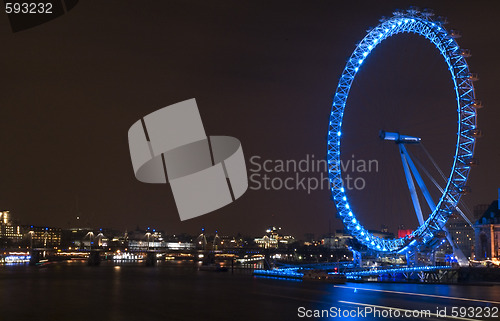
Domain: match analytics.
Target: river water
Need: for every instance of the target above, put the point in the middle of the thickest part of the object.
(178, 291)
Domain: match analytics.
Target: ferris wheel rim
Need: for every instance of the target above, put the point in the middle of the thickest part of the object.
(421, 24)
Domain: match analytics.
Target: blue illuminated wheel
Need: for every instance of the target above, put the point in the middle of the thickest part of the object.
(423, 24)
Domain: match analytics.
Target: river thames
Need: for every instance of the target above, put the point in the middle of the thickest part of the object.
(178, 291)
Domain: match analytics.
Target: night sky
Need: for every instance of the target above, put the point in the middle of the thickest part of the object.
(261, 71)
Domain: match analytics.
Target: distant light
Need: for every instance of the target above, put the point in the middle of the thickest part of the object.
(370, 47)
(344, 198)
(360, 61)
(365, 54)
(356, 69)
(354, 221)
(358, 227)
(347, 206)
(350, 213)
(339, 133)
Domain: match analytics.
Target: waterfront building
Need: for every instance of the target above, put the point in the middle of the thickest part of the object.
(340, 240)
(462, 234)
(75, 237)
(382, 234)
(479, 210)
(143, 245)
(266, 242)
(273, 239)
(42, 236)
(487, 233)
(402, 232)
(9, 231)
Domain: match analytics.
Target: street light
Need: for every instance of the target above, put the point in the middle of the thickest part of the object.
(31, 239)
(147, 236)
(91, 236)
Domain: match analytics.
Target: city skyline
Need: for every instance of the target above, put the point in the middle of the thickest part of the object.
(367, 130)
(75, 85)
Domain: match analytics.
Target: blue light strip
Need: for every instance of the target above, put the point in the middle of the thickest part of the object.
(422, 24)
(286, 273)
(397, 270)
(293, 272)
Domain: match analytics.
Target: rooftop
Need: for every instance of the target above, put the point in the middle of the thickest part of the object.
(491, 215)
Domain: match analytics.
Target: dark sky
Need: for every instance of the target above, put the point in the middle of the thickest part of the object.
(261, 71)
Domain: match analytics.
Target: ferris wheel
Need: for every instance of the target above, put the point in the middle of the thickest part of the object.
(431, 230)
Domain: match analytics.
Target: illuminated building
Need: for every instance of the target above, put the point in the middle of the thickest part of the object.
(479, 210)
(273, 239)
(81, 237)
(8, 230)
(286, 239)
(404, 232)
(462, 235)
(140, 245)
(152, 239)
(45, 237)
(75, 237)
(266, 242)
(228, 242)
(340, 240)
(382, 235)
(487, 232)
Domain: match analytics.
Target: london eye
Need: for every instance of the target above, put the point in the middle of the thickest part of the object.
(431, 229)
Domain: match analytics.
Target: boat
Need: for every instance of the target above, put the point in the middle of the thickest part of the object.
(323, 276)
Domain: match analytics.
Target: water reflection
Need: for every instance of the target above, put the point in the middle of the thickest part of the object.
(180, 291)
